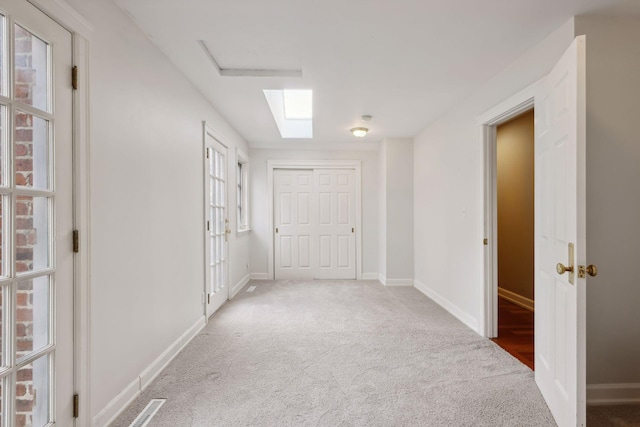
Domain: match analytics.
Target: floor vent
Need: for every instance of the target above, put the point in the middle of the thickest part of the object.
(251, 289)
(148, 413)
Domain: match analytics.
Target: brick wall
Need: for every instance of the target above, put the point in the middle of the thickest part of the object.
(25, 233)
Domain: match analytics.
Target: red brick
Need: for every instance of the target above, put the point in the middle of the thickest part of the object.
(22, 149)
(24, 314)
(24, 374)
(25, 75)
(24, 135)
(24, 405)
(24, 120)
(24, 165)
(24, 223)
(22, 92)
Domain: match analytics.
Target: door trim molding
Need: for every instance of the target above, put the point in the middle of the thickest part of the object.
(487, 125)
(81, 32)
(208, 130)
(314, 164)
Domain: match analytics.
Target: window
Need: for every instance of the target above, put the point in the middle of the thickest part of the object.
(242, 192)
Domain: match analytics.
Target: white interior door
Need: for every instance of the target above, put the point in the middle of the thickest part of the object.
(217, 225)
(36, 196)
(293, 227)
(560, 222)
(335, 192)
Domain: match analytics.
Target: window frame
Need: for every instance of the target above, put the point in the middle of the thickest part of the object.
(243, 216)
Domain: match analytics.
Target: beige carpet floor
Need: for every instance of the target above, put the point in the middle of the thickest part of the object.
(341, 353)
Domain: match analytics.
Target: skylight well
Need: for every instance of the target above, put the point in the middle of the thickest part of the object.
(293, 111)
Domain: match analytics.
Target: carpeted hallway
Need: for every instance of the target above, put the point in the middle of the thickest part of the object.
(341, 353)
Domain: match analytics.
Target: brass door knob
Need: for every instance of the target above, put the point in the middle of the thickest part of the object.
(561, 268)
(592, 270)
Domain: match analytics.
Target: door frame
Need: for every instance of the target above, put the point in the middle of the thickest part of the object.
(314, 164)
(207, 130)
(81, 34)
(488, 123)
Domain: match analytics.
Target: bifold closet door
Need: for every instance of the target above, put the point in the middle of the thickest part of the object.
(293, 226)
(335, 224)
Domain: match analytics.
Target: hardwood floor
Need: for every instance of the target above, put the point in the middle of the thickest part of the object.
(515, 331)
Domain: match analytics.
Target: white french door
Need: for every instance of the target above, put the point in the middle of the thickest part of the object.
(314, 224)
(294, 230)
(217, 225)
(36, 195)
(560, 238)
(335, 192)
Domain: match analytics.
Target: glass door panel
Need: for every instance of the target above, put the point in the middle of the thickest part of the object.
(35, 213)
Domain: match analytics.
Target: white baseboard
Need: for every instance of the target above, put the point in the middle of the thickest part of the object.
(518, 300)
(369, 276)
(118, 404)
(398, 282)
(464, 317)
(238, 286)
(613, 394)
(260, 276)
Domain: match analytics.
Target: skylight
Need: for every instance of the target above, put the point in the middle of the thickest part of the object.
(292, 110)
(298, 104)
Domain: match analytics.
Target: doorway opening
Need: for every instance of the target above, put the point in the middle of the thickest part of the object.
(514, 172)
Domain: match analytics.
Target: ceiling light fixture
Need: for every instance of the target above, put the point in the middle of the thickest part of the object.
(359, 132)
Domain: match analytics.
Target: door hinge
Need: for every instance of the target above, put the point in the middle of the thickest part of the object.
(208, 225)
(208, 298)
(486, 242)
(76, 241)
(206, 151)
(74, 77)
(76, 406)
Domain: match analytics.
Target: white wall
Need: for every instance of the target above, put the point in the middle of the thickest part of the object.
(613, 199)
(146, 201)
(396, 211)
(260, 215)
(448, 185)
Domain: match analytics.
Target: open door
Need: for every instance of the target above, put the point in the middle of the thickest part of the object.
(560, 236)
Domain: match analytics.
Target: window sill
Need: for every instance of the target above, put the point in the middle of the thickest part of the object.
(243, 231)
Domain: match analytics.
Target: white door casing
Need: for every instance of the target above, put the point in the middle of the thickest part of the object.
(216, 224)
(559, 221)
(335, 256)
(37, 194)
(294, 230)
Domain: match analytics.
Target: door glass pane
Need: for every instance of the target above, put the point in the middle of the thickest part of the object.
(2, 235)
(4, 291)
(31, 69)
(32, 233)
(31, 151)
(32, 394)
(3, 150)
(3, 78)
(32, 315)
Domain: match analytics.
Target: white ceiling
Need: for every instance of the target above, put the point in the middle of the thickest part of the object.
(404, 62)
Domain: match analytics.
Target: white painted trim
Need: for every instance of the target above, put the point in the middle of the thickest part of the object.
(260, 276)
(114, 408)
(488, 122)
(382, 279)
(369, 276)
(613, 394)
(398, 282)
(208, 130)
(518, 300)
(315, 164)
(456, 311)
(117, 405)
(81, 31)
(82, 223)
(238, 286)
(66, 16)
